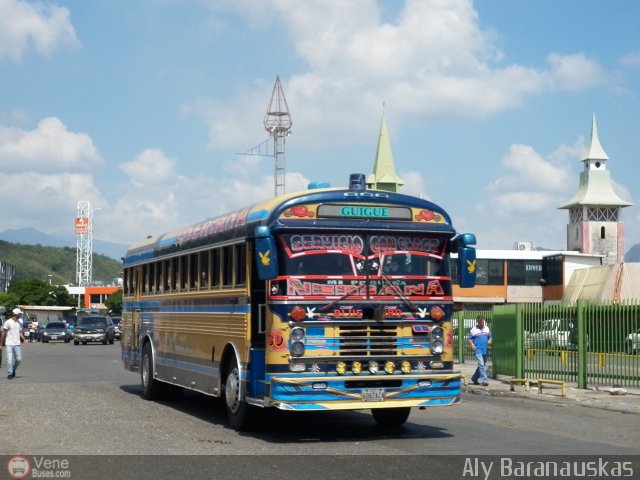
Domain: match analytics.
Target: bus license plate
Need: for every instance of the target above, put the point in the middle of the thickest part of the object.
(373, 395)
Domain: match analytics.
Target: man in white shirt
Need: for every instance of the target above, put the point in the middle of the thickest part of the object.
(12, 337)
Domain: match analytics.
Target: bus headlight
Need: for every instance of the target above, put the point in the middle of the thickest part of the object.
(297, 334)
(436, 332)
(297, 349)
(356, 367)
(436, 347)
(373, 367)
(405, 367)
(341, 367)
(389, 367)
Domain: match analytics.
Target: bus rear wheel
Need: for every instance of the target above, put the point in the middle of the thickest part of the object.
(151, 388)
(391, 417)
(241, 415)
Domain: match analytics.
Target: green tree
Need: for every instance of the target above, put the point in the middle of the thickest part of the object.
(38, 292)
(114, 303)
(9, 301)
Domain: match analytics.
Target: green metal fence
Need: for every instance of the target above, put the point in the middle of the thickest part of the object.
(589, 344)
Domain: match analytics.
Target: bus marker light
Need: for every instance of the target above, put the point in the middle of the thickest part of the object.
(297, 367)
(341, 367)
(319, 386)
(297, 314)
(356, 367)
(424, 383)
(436, 314)
(437, 365)
(405, 367)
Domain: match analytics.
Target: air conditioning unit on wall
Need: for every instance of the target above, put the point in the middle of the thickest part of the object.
(523, 245)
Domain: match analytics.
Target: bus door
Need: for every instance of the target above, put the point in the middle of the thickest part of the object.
(258, 328)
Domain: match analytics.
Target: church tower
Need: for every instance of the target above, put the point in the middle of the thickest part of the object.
(594, 212)
(384, 171)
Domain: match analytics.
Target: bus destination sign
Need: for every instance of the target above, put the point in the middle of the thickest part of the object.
(364, 211)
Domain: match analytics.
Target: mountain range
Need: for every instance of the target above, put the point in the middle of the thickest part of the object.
(32, 236)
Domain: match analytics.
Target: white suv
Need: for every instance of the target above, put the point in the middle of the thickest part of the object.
(555, 333)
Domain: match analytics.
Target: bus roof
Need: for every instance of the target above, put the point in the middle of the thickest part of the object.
(333, 208)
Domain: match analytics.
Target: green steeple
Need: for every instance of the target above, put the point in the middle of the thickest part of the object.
(384, 172)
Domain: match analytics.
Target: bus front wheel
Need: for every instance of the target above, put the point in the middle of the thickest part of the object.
(391, 417)
(241, 415)
(150, 386)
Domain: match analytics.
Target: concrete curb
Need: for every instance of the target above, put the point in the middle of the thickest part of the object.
(623, 400)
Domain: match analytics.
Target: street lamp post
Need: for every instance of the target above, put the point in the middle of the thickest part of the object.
(49, 278)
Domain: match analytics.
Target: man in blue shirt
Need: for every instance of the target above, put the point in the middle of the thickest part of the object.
(479, 341)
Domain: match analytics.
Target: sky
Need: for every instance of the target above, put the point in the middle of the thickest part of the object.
(145, 108)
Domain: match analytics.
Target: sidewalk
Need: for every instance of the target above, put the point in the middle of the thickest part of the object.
(626, 400)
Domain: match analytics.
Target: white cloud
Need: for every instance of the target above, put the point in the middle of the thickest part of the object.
(433, 61)
(46, 202)
(414, 184)
(152, 207)
(630, 60)
(151, 167)
(39, 25)
(575, 72)
(528, 170)
(48, 148)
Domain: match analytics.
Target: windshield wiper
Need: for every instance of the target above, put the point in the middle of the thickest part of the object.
(350, 292)
(398, 290)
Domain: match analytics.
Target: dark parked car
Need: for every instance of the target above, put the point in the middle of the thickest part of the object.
(94, 328)
(56, 331)
(117, 324)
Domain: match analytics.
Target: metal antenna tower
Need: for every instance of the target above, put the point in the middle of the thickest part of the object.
(84, 250)
(277, 122)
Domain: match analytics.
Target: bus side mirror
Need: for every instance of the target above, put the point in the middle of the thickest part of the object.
(467, 262)
(265, 254)
(467, 267)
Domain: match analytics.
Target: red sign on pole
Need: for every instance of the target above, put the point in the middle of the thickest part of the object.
(82, 225)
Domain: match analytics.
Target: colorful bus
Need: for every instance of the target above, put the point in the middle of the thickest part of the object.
(326, 299)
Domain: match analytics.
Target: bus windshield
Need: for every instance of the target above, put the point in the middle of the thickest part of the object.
(405, 261)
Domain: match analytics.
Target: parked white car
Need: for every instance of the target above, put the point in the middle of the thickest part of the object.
(633, 342)
(555, 333)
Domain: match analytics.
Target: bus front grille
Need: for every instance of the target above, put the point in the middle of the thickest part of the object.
(367, 340)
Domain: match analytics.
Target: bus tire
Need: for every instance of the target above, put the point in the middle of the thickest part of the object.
(151, 388)
(241, 415)
(391, 417)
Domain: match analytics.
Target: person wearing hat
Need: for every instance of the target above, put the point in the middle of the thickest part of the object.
(12, 337)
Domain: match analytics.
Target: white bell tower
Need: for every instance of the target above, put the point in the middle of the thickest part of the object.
(594, 211)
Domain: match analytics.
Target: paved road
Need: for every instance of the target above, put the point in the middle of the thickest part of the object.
(77, 400)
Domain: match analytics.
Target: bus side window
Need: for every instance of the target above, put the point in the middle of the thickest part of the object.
(227, 266)
(174, 274)
(204, 269)
(215, 267)
(240, 264)
(193, 271)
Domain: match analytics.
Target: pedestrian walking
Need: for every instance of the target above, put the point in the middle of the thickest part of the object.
(12, 337)
(479, 341)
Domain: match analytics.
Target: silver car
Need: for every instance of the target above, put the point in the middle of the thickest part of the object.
(94, 328)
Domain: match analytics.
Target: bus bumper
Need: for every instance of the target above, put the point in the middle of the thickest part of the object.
(364, 392)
